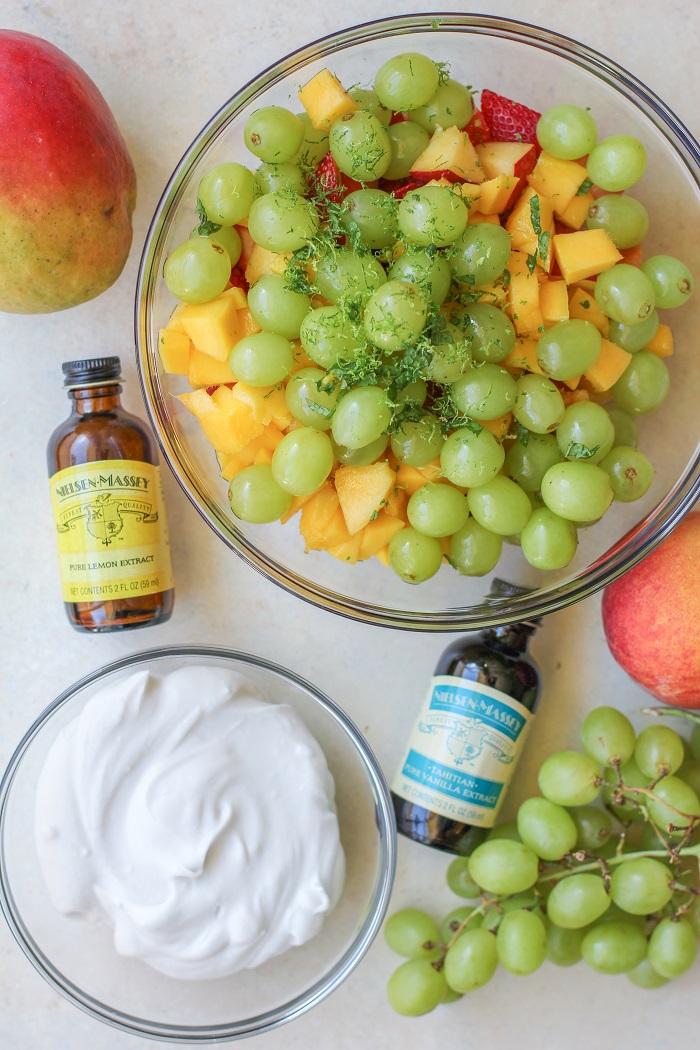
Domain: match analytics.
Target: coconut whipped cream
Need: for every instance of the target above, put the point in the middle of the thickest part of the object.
(196, 815)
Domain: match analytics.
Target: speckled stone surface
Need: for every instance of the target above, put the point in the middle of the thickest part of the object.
(164, 69)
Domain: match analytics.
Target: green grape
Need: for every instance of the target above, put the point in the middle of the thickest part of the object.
(302, 461)
(566, 131)
(344, 273)
(645, 976)
(617, 162)
(418, 442)
(641, 886)
(227, 237)
(502, 866)
(328, 336)
(451, 996)
(197, 270)
(634, 337)
(643, 385)
(227, 192)
(490, 332)
(564, 946)
(395, 315)
(431, 273)
(406, 81)
(453, 920)
(623, 218)
(671, 280)
(548, 541)
(407, 141)
(276, 308)
(693, 915)
(577, 900)
(577, 491)
(626, 429)
(432, 215)
(287, 176)
(485, 391)
(369, 100)
(460, 881)
(256, 497)
(474, 551)
(625, 294)
(273, 134)
(569, 778)
(437, 510)
(308, 401)
(451, 106)
(586, 432)
(262, 359)
(528, 461)
(659, 751)
(413, 393)
(614, 947)
(415, 988)
(360, 146)
(608, 736)
(689, 773)
(413, 556)
(480, 255)
(538, 406)
(521, 942)
(673, 947)
(361, 416)
(673, 802)
(412, 933)
(471, 459)
(369, 216)
(282, 221)
(360, 457)
(507, 830)
(500, 506)
(546, 828)
(451, 357)
(593, 828)
(568, 348)
(314, 146)
(624, 806)
(471, 961)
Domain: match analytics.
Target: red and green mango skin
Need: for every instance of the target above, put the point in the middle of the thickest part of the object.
(67, 181)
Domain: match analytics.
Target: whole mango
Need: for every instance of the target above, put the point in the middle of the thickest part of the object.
(67, 182)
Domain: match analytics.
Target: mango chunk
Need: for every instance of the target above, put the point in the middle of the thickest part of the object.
(325, 99)
(377, 533)
(266, 403)
(247, 325)
(263, 261)
(523, 296)
(450, 149)
(361, 491)
(205, 370)
(213, 326)
(557, 179)
(529, 225)
(348, 551)
(174, 349)
(583, 306)
(226, 432)
(662, 342)
(174, 323)
(574, 214)
(523, 357)
(244, 423)
(506, 158)
(584, 253)
(500, 426)
(611, 363)
(496, 193)
(316, 515)
(554, 302)
(263, 445)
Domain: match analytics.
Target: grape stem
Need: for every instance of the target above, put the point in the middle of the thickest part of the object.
(692, 851)
(659, 712)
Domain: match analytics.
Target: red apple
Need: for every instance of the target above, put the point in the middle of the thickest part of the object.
(651, 618)
(67, 182)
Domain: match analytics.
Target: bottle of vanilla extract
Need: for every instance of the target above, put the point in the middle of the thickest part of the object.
(468, 736)
(109, 513)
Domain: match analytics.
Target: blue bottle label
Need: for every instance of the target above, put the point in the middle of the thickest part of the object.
(463, 749)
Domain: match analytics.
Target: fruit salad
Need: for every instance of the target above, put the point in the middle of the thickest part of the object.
(423, 329)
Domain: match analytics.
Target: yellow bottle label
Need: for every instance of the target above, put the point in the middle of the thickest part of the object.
(112, 530)
(462, 752)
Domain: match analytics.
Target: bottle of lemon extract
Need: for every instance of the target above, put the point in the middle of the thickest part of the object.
(108, 508)
(468, 736)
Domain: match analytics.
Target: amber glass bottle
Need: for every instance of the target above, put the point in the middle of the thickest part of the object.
(468, 736)
(109, 513)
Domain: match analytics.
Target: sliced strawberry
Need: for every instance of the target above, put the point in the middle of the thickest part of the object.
(399, 117)
(477, 129)
(509, 121)
(326, 180)
(400, 187)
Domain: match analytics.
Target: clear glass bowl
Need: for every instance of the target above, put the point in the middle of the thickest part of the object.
(539, 68)
(78, 957)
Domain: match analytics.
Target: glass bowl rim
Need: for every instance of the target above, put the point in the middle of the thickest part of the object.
(609, 566)
(205, 1034)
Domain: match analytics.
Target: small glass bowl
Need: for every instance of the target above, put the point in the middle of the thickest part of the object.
(539, 68)
(78, 957)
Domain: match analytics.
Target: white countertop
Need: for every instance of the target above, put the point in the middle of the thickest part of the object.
(164, 70)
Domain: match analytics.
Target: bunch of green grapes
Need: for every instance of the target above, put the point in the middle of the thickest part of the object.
(614, 884)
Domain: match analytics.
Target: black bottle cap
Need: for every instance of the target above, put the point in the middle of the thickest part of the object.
(501, 589)
(91, 371)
